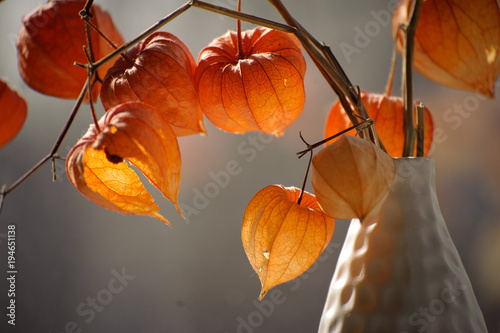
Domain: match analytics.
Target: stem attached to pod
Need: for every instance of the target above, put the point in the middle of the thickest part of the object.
(240, 44)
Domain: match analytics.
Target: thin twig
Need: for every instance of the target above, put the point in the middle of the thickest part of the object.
(93, 113)
(88, 35)
(86, 10)
(109, 41)
(390, 79)
(242, 16)
(303, 188)
(238, 28)
(54, 169)
(7, 189)
(90, 75)
(364, 124)
(420, 130)
(408, 117)
(91, 71)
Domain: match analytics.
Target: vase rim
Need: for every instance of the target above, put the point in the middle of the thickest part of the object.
(413, 158)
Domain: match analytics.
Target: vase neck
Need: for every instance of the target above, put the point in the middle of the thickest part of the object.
(415, 174)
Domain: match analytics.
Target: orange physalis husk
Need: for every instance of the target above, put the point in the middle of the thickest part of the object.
(13, 110)
(140, 134)
(159, 71)
(50, 42)
(261, 91)
(387, 113)
(351, 177)
(456, 42)
(281, 238)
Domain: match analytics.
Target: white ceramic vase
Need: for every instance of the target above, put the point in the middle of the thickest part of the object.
(399, 271)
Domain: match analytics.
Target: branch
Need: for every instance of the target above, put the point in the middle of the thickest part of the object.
(6, 190)
(408, 118)
(362, 125)
(303, 188)
(319, 53)
(390, 79)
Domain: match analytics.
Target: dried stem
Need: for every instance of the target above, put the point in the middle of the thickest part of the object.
(88, 34)
(303, 188)
(420, 130)
(238, 26)
(90, 88)
(390, 79)
(86, 10)
(6, 190)
(92, 110)
(242, 16)
(90, 54)
(408, 118)
(364, 124)
(109, 41)
(54, 166)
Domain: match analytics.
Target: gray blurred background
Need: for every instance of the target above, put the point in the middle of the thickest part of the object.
(194, 277)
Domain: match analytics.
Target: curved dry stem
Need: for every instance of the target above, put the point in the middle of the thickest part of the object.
(390, 79)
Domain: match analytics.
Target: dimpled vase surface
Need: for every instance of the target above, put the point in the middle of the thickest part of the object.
(399, 270)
